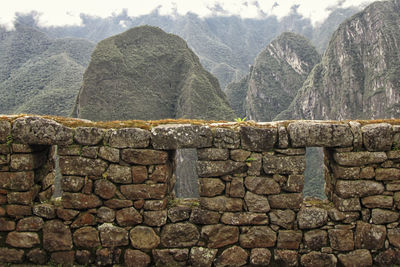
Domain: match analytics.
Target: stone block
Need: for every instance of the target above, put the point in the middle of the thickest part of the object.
(118, 203)
(179, 235)
(359, 257)
(244, 218)
(239, 154)
(119, 174)
(18, 210)
(172, 257)
(237, 187)
(24, 198)
(155, 218)
(315, 239)
(144, 156)
(104, 188)
(286, 201)
(128, 217)
(382, 216)
(27, 162)
(233, 256)
(221, 203)
(346, 204)
(315, 258)
(86, 237)
(388, 257)
(174, 136)
(284, 164)
(139, 174)
(90, 151)
(10, 255)
(294, 183)
(88, 136)
(202, 257)
(5, 130)
(379, 201)
(359, 158)
(385, 174)
(56, 236)
(289, 239)
(262, 185)
(72, 183)
(47, 211)
(286, 257)
(283, 218)
(129, 137)
(340, 172)
(82, 166)
(80, 201)
(200, 216)
(29, 224)
(283, 137)
(144, 191)
(210, 187)
(394, 237)
(113, 236)
(257, 237)
(37, 256)
(312, 217)
(258, 139)
(161, 173)
(109, 153)
(63, 258)
(219, 235)
(136, 258)
(22, 239)
(369, 236)
(40, 131)
(377, 137)
(212, 154)
(341, 239)
(105, 214)
(219, 168)
(19, 181)
(358, 188)
(143, 237)
(311, 134)
(176, 214)
(84, 219)
(226, 138)
(256, 203)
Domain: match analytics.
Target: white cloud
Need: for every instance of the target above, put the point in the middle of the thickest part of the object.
(67, 12)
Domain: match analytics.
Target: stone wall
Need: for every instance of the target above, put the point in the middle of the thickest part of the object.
(117, 205)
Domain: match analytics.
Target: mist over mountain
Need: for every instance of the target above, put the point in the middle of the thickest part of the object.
(145, 73)
(226, 45)
(39, 74)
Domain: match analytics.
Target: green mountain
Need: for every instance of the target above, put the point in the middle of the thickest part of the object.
(359, 75)
(145, 73)
(38, 74)
(278, 72)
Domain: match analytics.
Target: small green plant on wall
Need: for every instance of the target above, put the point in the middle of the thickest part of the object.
(240, 119)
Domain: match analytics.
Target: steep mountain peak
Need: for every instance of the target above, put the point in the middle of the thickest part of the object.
(145, 73)
(278, 72)
(359, 75)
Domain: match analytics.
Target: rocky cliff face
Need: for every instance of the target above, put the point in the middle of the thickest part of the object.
(145, 73)
(278, 72)
(359, 75)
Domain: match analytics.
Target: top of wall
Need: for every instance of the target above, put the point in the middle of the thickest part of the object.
(374, 135)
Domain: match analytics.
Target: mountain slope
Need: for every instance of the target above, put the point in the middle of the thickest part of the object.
(38, 74)
(145, 73)
(359, 75)
(278, 72)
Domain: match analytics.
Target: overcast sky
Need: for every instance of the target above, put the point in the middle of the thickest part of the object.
(61, 12)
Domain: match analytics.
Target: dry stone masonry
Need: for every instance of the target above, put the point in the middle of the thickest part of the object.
(118, 206)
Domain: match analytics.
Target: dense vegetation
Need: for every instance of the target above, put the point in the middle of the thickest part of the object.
(145, 73)
(38, 74)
